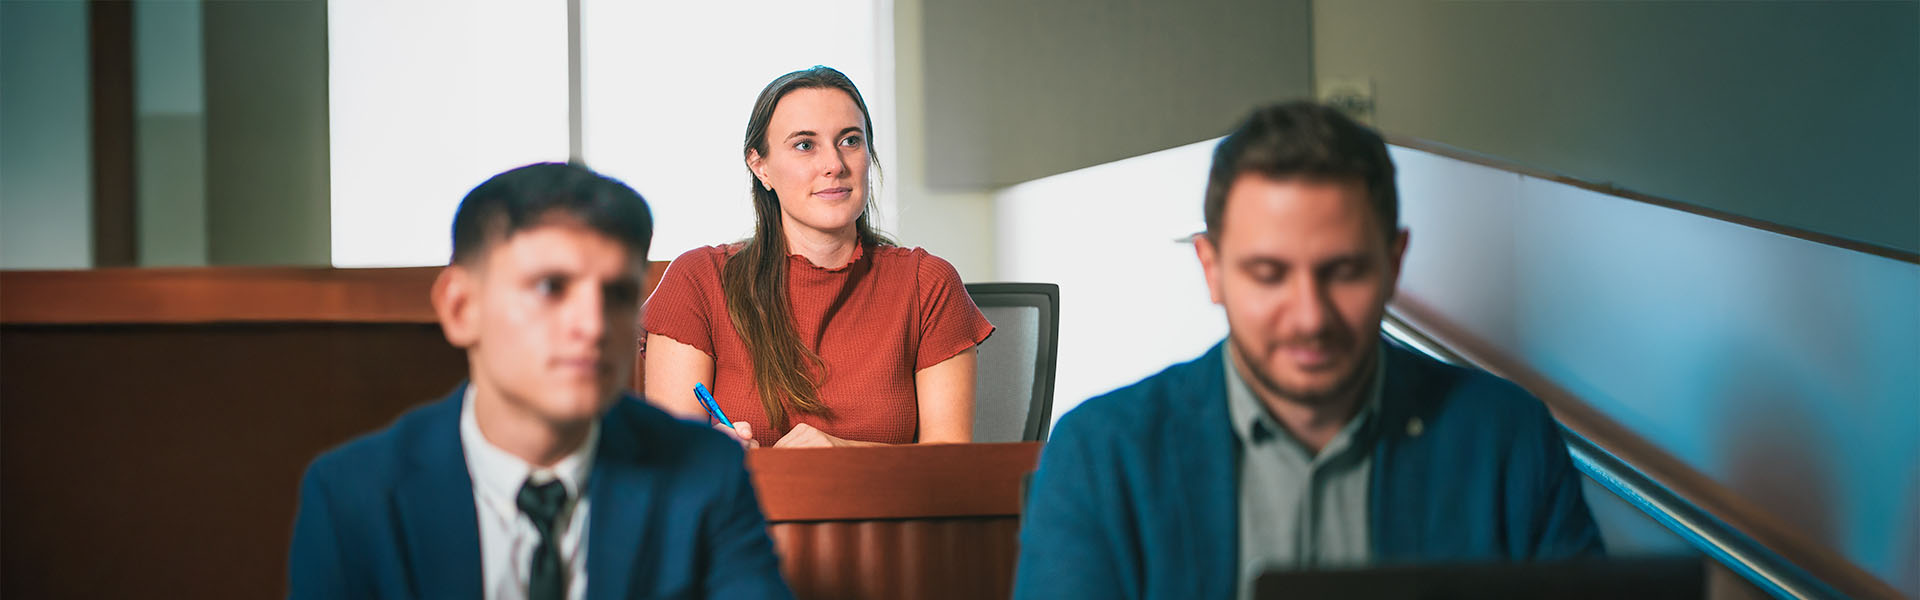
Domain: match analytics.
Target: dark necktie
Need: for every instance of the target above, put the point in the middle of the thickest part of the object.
(542, 503)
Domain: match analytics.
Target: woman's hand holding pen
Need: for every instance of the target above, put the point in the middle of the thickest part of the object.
(807, 436)
(741, 431)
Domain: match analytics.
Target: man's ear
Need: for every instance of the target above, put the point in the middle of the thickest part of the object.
(1209, 264)
(1400, 248)
(456, 305)
(1397, 255)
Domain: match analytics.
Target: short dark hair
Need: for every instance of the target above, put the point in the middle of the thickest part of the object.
(531, 195)
(1303, 139)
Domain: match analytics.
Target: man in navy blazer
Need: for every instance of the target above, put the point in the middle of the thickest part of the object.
(1304, 440)
(539, 478)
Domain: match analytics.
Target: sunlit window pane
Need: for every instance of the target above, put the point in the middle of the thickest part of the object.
(668, 85)
(427, 98)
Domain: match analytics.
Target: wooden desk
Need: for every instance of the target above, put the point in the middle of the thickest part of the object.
(936, 521)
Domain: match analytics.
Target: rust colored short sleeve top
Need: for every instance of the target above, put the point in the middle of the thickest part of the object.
(875, 322)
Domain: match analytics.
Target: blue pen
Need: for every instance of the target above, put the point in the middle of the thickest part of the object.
(713, 408)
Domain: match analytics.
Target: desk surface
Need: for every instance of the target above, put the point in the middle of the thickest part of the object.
(893, 482)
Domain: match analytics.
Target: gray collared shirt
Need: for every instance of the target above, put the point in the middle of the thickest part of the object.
(1299, 510)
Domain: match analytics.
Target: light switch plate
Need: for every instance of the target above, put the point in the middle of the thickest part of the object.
(1350, 95)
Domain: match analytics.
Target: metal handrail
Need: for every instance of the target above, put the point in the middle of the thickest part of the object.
(1759, 565)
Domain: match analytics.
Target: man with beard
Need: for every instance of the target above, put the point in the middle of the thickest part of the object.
(1304, 440)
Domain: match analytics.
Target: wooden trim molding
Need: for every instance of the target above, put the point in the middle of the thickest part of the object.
(1619, 192)
(224, 295)
(216, 295)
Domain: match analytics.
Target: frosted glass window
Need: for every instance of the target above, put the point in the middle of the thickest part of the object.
(426, 99)
(666, 88)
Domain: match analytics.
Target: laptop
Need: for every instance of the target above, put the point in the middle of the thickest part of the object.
(1638, 579)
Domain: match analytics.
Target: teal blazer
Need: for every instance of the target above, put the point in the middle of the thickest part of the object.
(1136, 494)
(391, 515)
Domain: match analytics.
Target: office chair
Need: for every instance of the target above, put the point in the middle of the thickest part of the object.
(1013, 393)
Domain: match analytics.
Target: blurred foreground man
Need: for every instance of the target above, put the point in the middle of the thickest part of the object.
(1304, 440)
(538, 478)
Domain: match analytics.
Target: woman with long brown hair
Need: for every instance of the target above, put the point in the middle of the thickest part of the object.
(818, 330)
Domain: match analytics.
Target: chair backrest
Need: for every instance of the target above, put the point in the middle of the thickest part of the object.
(1013, 393)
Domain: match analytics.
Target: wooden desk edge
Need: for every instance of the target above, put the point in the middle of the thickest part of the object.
(897, 482)
(201, 295)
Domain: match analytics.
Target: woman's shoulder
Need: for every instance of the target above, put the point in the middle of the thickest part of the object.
(716, 252)
(906, 255)
(700, 266)
(928, 270)
(713, 256)
(919, 259)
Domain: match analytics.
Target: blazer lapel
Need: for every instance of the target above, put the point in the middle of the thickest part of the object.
(1213, 495)
(439, 525)
(1397, 498)
(621, 499)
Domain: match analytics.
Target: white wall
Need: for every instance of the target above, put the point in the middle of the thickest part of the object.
(46, 179)
(1132, 299)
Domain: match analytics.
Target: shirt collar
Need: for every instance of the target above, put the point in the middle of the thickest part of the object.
(859, 252)
(499, 474)
(1254, 425)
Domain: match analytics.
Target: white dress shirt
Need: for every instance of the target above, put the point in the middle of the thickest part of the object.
(507, 536)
